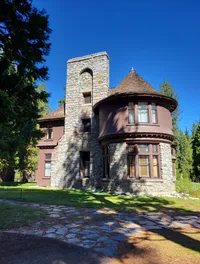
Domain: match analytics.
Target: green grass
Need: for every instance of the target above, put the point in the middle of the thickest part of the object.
(13, 216)
(186, 186)
(90, 199)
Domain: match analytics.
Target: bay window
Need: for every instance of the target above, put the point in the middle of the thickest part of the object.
(146, 113)
(143, 161)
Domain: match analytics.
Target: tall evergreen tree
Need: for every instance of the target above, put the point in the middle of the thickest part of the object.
(196, 150)
(168, 90)
(184, 154)
(24, 42)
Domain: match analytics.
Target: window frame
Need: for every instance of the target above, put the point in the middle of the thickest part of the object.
(47, 160)
(47, 134)
(146, 104)
(85, 95)
(154, 107)
(134, 107)
(131, 108)
(82, 167)
(150, 154)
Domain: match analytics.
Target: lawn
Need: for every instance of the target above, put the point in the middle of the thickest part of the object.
(88, 199)
(13, 216)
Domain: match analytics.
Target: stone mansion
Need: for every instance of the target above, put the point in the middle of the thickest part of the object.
(117, 139)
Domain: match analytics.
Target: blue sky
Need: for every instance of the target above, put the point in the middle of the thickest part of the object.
(159, 38)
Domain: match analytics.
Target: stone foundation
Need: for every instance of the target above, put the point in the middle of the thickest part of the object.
(120, 182)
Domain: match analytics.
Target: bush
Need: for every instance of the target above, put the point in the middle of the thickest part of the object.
(186, 186)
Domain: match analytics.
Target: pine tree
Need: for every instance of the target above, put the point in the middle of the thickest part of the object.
(196, 150)
(184, 155)
(24, 45)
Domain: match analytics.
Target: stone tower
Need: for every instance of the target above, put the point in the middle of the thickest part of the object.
(77, 160)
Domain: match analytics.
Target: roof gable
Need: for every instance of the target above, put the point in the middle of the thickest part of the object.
(56, 114)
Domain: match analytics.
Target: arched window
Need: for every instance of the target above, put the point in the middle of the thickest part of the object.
(86, 83)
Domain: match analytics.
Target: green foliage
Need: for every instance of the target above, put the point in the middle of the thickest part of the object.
(44, 107)
(168, 90)
(24, 42)
(184, 155)
(196, 150)
(62, 101)
(186, 186)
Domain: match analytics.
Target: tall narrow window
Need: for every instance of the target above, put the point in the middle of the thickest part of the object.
(155, 165)
(131, 164)
(154, 113)
(49, 133)
(86, 124)
(47, 166)
(131, 116)
(85, 164)
(87, 98)
(143, 113)
(106, 162)
(47, 169)
(143, 166)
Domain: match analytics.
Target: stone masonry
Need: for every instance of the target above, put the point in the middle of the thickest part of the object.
(120, 182)
(84, 74)
(90, 74)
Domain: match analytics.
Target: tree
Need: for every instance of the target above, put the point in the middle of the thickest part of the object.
(168, 90)
(24, 42)
(196, 150)
(184, 155)
(44, 107)
(62, 101)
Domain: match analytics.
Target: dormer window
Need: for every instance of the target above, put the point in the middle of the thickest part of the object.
(143, 113)
(49, 133)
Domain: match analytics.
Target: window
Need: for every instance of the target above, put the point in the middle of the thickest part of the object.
(131, 117)
(49, 133)
(47, 169)
(87, 98)
(154, 113)
(131, 162)
(143, 113)
(86, 125)
(85, 164)
(106, 162)
(143, 166)
(143, 161)
(174, 168)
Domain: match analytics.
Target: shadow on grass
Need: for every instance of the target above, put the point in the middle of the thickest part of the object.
(89, 199)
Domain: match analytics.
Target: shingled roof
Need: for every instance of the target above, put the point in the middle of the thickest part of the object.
(56, 114)
(133, 83)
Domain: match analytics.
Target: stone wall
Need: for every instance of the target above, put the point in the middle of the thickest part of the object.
(119, 181)
(84, 74)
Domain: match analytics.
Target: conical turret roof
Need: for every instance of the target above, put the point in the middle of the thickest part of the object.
(133, 83)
